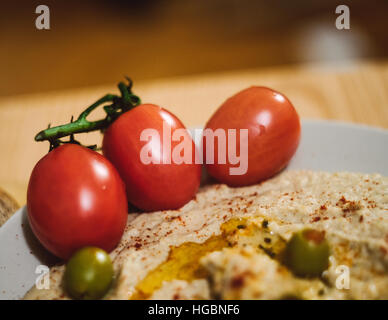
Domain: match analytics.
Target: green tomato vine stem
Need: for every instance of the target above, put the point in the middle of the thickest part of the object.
(118, 105)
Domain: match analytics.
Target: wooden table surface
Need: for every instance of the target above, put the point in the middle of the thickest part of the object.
(354, 92)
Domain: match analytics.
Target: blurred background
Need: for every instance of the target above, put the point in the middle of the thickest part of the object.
(97, 42)
(187, 56)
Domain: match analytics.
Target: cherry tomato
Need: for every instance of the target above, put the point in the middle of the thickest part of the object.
(75, 199)
(273, 135)
(160, 182)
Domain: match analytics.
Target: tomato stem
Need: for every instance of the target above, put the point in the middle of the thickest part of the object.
(119, 105)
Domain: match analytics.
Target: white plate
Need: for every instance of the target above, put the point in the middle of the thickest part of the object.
(325, 146)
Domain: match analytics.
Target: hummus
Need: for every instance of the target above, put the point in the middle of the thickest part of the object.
(225, 243)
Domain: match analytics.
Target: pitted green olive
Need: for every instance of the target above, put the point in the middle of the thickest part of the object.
(89, 273)
(307, 253)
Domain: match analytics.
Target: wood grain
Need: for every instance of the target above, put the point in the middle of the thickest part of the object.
(8, 207)
(356, 92)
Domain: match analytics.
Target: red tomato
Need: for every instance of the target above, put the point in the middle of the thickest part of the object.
(273, 134)
(152, 186)
(75, 199)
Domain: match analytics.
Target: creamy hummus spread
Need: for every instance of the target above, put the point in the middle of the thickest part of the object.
(226, 243)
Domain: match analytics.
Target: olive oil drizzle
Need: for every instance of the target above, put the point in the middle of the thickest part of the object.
(183, 262)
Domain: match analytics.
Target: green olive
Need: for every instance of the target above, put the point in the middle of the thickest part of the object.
(89, 273)
(307, 253)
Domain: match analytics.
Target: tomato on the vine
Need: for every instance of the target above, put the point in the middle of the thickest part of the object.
(161, 182)
(273, 134)
(75, 199)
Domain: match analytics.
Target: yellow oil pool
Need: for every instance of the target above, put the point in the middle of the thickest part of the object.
(183, 262)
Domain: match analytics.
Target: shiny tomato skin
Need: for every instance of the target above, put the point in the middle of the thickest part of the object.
(76, 198)
(151, 187)
(273, 134)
